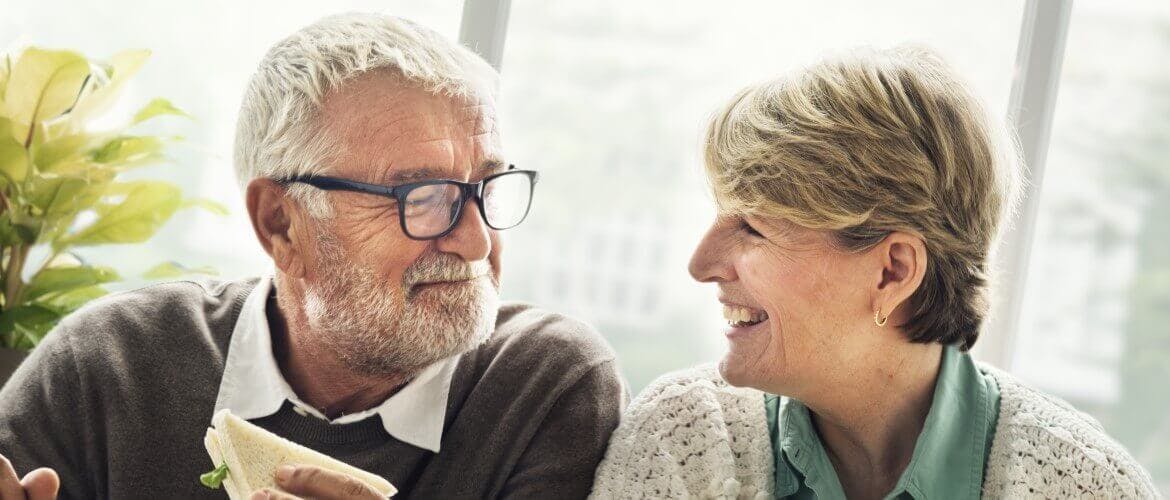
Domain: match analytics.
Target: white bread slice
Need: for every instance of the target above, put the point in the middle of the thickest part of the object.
(253, 454)
(211, 441)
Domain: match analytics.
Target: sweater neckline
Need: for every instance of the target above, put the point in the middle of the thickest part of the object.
(312, 429)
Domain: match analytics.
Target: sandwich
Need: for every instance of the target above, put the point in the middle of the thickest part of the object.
(247, 456)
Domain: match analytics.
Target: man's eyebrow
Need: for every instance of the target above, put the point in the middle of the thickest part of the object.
(491, 166)
(414, 174)
(486, 168)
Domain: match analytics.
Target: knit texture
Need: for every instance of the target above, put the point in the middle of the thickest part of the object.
(691, 435)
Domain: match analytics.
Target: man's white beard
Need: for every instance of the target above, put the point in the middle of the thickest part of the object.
(378, 328)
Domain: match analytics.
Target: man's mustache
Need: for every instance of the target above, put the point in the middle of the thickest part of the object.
(443, 267)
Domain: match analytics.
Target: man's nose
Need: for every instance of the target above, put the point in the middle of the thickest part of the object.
(470, 238)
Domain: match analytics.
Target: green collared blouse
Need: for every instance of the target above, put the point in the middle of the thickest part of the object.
(949, 457)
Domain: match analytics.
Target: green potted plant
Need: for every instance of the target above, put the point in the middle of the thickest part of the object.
(61, 187)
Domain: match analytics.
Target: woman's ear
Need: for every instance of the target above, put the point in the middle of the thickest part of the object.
(272, 214)
(902, 259)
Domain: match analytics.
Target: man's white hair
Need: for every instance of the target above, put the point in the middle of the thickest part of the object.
(279, 133)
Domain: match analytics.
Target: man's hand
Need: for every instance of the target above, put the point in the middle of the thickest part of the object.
(303, 481)
(40, 484)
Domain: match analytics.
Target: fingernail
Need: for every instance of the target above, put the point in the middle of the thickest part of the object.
(260, 495)
(284, 473)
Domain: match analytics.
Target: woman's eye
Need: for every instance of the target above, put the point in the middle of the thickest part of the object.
(750, 230)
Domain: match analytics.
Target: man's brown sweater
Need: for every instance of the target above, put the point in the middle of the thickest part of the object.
(118, 397)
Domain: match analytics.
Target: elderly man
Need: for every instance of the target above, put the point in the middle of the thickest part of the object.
(370, 152)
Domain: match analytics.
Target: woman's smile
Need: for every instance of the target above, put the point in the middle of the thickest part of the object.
(743, 321)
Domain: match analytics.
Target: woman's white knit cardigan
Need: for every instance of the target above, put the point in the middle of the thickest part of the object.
(691, 435)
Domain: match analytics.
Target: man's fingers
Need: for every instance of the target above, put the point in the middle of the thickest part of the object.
(272, 494)
(315, 482)
(41, 484)
(10, 488)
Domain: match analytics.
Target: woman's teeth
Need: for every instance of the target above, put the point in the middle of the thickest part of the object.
(742, 316)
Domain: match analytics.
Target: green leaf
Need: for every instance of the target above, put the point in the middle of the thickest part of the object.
(215, 478)
(43, 84)
(15, 234)
(146, 207)
(157, 107)
(129, 150)
(79, 167)
(13, 156)
(54, 151)
(23, 327)
(49, 199)
(119, 69)
(26, 233)
(214, 207)
(55, 195)
(5, 71)
(69, 301)
(8, 234)
(57, 200)
(172, 269)
(64, 259)
(63, 279)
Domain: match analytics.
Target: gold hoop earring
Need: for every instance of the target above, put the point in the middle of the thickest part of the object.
(877, 314)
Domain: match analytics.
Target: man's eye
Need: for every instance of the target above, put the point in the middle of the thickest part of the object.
(421, 200)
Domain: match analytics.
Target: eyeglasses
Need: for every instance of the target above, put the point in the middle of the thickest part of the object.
(430, 209)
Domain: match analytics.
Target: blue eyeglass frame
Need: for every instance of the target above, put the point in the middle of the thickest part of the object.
(399, 192)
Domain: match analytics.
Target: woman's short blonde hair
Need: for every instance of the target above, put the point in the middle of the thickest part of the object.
(868, 143)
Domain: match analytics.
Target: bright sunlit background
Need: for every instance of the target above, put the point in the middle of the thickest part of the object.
(608, 99)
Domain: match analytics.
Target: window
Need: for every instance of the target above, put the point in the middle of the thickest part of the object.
(1097, 305)
(609, 100)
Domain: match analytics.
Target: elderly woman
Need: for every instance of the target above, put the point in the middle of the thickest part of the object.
(858, 201)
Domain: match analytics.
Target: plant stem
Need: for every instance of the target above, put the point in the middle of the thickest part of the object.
(4, 253)
(13, 284)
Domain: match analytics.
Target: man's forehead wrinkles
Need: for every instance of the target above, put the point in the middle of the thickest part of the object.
(481, 118)
(488, 133)
(361, 135)
(479, 108)
(391, 143)
(390, 131)
(482, 127)
(374, 123)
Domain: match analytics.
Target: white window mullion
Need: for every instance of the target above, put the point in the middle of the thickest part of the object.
(1030, 110)
(484, 27)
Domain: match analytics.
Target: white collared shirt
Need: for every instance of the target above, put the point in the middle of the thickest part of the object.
(253, 387)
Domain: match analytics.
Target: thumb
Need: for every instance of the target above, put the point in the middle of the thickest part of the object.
(41, 484)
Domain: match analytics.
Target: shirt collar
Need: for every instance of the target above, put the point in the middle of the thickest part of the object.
(948, 457)
(253, 387)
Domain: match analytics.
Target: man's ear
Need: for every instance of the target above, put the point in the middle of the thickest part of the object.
(272, 214)
(902, 259)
